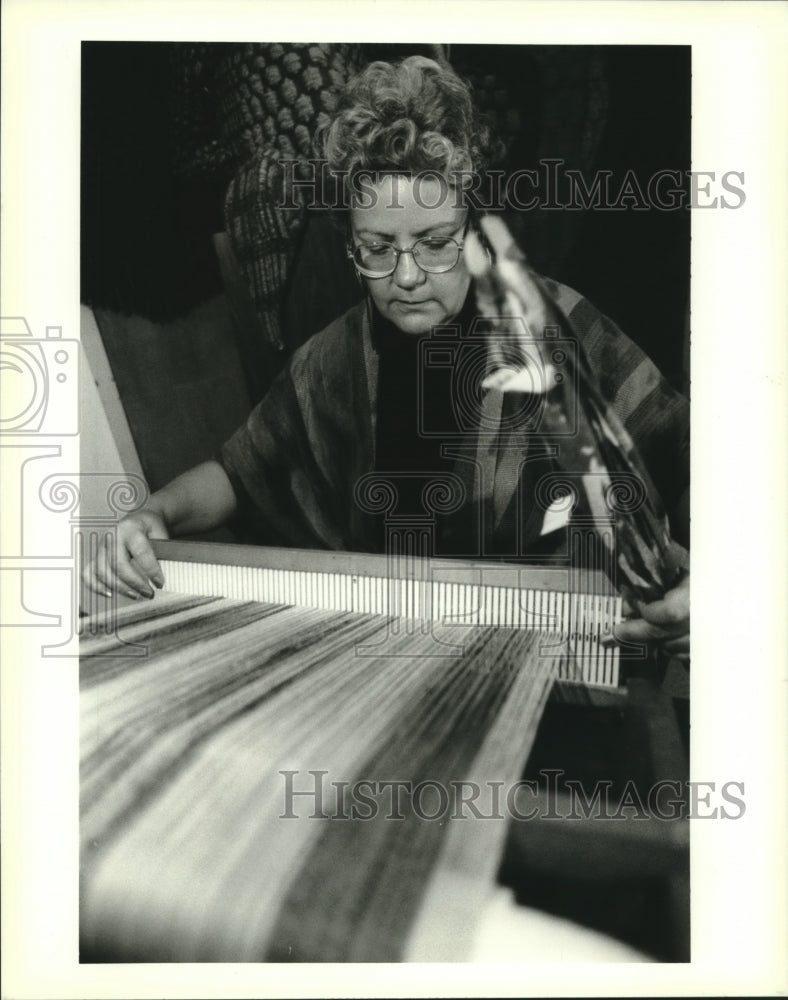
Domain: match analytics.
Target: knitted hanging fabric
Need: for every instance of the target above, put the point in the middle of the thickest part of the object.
(285, 93)
(233, 102)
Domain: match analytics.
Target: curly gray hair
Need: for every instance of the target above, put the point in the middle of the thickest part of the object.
(408, 117)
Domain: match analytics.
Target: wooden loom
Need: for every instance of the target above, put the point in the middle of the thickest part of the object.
(256, 664)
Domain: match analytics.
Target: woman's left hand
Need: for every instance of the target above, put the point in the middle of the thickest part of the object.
(665, 623)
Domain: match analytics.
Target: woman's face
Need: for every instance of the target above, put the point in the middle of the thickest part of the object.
(401, 213)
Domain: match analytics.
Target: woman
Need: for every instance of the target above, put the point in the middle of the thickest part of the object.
(386, 401)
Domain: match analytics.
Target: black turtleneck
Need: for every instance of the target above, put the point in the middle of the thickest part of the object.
(416, 411)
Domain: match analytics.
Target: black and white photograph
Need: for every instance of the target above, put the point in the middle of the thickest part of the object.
(406, 390)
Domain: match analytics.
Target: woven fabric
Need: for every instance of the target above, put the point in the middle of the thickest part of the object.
(191, 850)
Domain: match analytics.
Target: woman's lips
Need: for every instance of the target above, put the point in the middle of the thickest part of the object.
(408, 304)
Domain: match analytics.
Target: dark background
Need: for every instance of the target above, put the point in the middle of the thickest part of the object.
(166, 127)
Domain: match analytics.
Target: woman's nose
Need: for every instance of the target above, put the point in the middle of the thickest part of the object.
(407, 273)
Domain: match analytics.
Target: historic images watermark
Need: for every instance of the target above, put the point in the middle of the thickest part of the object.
(550, 186)
(310, 795)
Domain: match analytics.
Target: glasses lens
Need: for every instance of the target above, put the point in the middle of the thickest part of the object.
(435, 254)
(377, 258)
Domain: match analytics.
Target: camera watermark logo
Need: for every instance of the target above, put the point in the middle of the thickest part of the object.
(39, 427)
(37, 376)
(463, 362)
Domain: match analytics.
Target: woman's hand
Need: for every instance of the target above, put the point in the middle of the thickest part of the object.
(666, 622)
(198, 500)
(125, 563)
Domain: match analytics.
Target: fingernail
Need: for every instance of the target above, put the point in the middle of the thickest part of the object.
(132, 594)
(159, 581)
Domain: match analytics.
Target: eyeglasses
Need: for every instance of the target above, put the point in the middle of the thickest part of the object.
(434, 254)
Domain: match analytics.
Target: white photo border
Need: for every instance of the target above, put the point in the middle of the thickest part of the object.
(739, 304)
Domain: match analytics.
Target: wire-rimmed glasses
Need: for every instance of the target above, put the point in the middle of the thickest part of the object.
(433, 254)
